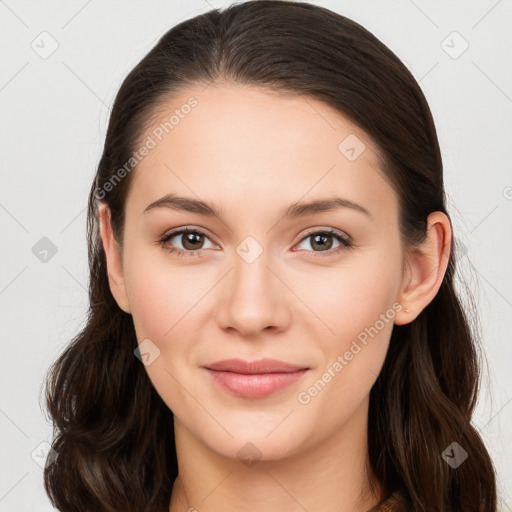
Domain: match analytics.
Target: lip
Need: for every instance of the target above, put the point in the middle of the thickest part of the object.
(256, 385)
(255, 379)
(254, 367)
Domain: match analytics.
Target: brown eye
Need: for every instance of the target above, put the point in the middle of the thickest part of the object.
(322, 242)
(192, 241)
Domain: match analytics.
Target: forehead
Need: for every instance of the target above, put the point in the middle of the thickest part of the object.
(249, 141)
(222, 112)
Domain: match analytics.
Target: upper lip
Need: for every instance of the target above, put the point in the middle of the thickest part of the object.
(253, 367)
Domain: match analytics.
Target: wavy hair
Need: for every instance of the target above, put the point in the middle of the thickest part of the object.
(113, 434)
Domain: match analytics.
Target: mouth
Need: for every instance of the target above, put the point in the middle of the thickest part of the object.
(254, 367)
(254, 380)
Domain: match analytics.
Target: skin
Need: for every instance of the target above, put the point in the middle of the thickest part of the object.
(253, 153)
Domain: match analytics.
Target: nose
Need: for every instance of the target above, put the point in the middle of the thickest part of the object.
(254, 298)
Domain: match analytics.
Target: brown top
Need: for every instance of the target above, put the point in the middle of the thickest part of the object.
(393, 503)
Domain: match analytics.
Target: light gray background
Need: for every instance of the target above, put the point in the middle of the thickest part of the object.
(52, 127)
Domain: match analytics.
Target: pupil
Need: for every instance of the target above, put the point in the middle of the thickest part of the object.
(192, 239)
(322, 245)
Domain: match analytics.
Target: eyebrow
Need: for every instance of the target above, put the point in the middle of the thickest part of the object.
(295, 210)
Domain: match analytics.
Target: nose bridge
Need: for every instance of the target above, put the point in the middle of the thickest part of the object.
(252, 279)
(255, 297)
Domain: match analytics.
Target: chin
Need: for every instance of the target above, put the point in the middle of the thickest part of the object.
(252, 441)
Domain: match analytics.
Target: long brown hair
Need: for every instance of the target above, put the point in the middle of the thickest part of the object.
(114, 436)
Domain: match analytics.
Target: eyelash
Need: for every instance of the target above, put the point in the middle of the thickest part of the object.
(345, 242)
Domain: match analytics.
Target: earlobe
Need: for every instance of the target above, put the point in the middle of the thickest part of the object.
(113, 258)
(426, 268)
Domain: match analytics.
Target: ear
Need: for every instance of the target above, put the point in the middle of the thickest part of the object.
(426, 266)
(114, 261)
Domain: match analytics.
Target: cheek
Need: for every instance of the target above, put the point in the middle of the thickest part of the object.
(163, 302)
(152, 297)
(352, 296)
(352, 358)
(359, 320)
(162, 295)
(168, 307)
(357, 316)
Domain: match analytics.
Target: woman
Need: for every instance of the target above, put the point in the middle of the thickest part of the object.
(273, 320)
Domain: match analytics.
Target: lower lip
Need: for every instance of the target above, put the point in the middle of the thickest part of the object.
(255, 386)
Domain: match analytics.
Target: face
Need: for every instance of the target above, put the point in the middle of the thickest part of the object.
(317, 288)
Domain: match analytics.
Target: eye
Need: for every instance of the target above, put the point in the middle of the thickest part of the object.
(322, 240)
(192, 240)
